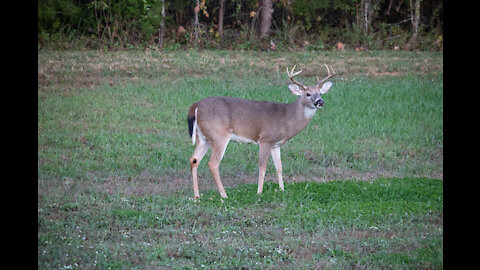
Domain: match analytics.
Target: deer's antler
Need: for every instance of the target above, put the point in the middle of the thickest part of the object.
(330, 75)
(292, 74)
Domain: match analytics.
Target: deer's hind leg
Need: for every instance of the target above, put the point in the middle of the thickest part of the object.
(200, 151)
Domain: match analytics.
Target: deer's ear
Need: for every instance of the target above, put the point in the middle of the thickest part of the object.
(295, 89)
(325, 87)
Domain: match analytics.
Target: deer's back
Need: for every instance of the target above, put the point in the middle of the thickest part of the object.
(246, 118)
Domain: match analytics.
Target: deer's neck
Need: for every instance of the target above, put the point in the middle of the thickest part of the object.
(300, 116)
(303, 112)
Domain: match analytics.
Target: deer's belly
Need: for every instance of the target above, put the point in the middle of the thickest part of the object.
(240, 139)
(237, 138)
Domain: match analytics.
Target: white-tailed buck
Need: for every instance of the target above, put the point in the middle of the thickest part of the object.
(215, 121)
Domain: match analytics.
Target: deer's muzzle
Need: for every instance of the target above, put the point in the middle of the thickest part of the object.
(319, 103)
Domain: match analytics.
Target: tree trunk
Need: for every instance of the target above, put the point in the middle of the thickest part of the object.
(415, 18)
(389, 7)
(266, 18)
(220, 18)
(161, 30)
(365, 12)
(196, 24)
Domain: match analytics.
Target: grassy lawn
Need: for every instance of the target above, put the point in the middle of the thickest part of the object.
(363, 180)
(387, 223)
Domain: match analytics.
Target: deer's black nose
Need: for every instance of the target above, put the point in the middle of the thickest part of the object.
(319, 103)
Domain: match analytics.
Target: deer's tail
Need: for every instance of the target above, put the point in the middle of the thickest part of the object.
(192, 121)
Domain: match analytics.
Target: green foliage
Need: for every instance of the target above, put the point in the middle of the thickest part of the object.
(114, 25)
(56, 14)
(307, 11)
(58, 22)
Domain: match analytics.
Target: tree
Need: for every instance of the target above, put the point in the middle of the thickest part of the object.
(196, 24)
(220, 18)
(364, 19)
(161, 30)
(415, 18)
(266, 18)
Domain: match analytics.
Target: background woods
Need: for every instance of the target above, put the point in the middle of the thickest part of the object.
(241, 24)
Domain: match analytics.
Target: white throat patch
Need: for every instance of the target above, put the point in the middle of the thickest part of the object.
(309, 112)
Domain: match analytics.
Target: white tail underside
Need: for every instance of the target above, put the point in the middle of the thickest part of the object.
(194, 133)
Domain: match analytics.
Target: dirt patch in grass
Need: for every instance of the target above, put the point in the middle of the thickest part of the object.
(148, 184)
(113, 186)
(373, 232)
(380, 74)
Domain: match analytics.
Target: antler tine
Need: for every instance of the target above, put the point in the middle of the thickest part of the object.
(328, 70)
(292, 74)
(330, 75)
(333, 71)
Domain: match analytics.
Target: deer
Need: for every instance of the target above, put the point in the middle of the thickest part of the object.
(215, 121)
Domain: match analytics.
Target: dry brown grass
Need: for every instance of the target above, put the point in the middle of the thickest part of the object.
(87, 69)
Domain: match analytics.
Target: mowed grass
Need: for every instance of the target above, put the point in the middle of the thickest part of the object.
(96, 121)
(114, 186)
(387, 223)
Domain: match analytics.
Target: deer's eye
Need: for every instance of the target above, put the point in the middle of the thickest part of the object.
(308, 94)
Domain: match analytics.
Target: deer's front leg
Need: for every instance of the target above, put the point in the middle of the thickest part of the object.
(262, 164)
(278, 165)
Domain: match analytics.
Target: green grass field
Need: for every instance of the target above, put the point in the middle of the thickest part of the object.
(363, 180)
